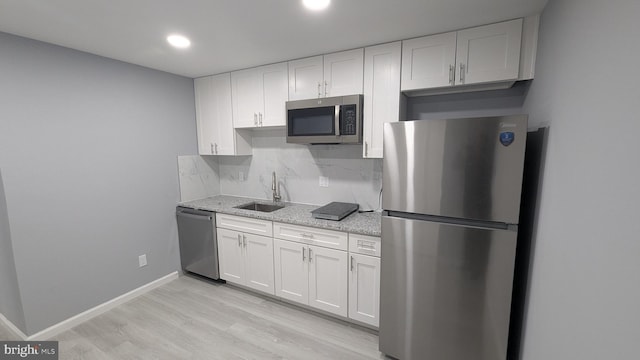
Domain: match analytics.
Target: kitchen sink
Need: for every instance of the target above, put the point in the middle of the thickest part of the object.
(260, 207)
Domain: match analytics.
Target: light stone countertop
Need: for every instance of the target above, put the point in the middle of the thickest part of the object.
(292, 213)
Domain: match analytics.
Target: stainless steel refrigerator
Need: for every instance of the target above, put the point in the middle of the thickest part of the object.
(451, 203)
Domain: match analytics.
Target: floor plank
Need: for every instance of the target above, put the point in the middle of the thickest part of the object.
(189, 318)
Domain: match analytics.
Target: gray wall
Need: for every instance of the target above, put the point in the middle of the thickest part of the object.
(584, 298)
(10, 302)
(88, 151)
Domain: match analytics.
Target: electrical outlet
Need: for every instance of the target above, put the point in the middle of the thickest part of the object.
(142, 260)
(323, 181)
(241, 176)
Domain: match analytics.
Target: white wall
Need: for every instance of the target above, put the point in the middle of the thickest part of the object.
(199, 177)
(88, 150)
(298, 168)
(584, 300)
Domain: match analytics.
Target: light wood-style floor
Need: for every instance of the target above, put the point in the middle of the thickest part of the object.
(194, 319)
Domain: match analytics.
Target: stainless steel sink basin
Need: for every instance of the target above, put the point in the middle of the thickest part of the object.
(260, 207)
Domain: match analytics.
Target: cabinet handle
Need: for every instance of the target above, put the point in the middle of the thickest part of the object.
(212, 151)
(216, 147)
(366, 245)
(310, 255)
(319, 93)
(239, 240)
(462, 69)
(352, 263)
(260, 119)
(326, 88)
(366, 149)
(452, 71)
(255, 119)
(244, 240)
(304, 258)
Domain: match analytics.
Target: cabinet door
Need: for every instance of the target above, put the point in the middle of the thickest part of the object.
(343, 73)
(305, 78)
(428, 62)
(364, 289)
(328, 280)
(205, 109)
(489, 53)
(291, 271)
(275, 90)
(258, 260)
(230, 256)
(246, 95)
(381, 94)
(224, 137)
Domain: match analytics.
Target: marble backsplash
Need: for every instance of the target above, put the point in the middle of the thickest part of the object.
(298, 168)
(198, 177)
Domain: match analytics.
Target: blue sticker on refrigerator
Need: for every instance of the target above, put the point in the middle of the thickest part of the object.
(507, 138)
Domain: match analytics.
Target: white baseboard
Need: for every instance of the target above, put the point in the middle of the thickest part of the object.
(12, 328)
(65, 325)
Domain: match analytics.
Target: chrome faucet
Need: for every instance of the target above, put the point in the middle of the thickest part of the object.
(274, 187)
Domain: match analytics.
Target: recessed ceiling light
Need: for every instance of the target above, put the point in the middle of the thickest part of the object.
(316, 5)
(179, 41)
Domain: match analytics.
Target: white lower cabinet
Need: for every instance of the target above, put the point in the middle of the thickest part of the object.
(246, 259)
(328, 280)
(329, 270)
(311, 275)
(291, 270)
(364, 289)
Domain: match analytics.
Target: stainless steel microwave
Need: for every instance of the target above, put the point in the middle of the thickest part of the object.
(332, 120)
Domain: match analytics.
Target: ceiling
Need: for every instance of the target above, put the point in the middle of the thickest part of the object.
(234, 34)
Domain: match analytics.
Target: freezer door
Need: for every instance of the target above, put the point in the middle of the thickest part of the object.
(445, 290)
(462, 168)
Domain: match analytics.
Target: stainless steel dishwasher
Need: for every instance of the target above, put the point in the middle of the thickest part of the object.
(198, 243)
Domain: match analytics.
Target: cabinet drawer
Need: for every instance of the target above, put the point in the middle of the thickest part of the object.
(244, 224)
(310, 235)
(363, 244)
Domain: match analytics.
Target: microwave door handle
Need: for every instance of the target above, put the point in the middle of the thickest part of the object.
(337, 120)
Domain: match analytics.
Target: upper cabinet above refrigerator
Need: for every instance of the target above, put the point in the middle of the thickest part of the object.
(482, 58)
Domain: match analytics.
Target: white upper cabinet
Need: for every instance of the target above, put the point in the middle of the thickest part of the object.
(305, 78)
(343, 73)
(216, 135)
(489, 53)
(245, 89)
(334, 74)
(206, 127)
(275, 93)
(428, 62)
(381, 94)
(259, 95)
(481, 55)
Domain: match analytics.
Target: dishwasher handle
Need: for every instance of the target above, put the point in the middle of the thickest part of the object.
(183, 213)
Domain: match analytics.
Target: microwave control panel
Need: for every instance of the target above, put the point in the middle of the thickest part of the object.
(348, 122)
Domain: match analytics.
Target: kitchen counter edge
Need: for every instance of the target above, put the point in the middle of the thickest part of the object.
(292, 213)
